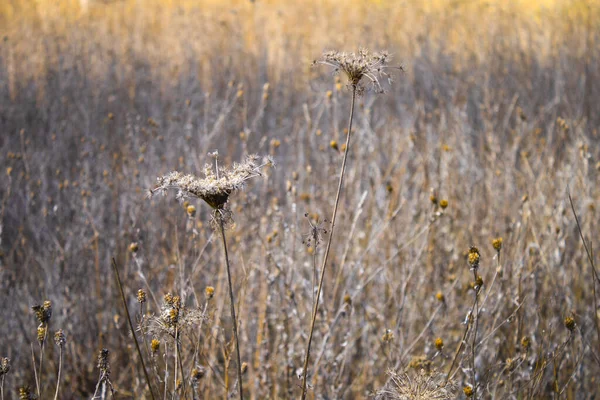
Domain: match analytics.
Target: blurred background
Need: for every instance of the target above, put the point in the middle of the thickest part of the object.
(496, 112)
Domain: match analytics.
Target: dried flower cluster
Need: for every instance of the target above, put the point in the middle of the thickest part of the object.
(358, 65)
(217, 185)
(417, 386)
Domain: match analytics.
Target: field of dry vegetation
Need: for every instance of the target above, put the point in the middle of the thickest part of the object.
(457, 268)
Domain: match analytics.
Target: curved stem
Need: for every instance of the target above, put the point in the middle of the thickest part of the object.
(235, 333)
(59, 372)
(325, 257)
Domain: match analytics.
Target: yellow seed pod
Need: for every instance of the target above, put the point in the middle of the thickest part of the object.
(133, 247)
(439, 343)
(191, 211)
(334, 145)
(444, 203)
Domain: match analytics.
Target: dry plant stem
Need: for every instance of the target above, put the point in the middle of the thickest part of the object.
(594, 272)
(335, 207)
(35, 374)
(231, 298)
(461, 344)
(137, 345)
(2, 388)
(60, 357)
(476, 322)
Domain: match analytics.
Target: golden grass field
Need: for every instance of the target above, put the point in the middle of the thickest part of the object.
(491, 124)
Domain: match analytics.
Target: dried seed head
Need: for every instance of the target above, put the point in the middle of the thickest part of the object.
(25, 393)
(103, 363)
(570, 323)
(197, 373)
(4, 365)
(59, 338)
(473, 257)
(41, 334)
(141, 296)
(443, 204)
(209, 292)
(134, 247)
(388, 336)
(155, 345)
(357, 66)
(525, 343)
(43, 313)
(191, 211)
(216, 187)
(468, 390)
(244, 367)
(439, 343)
(497, 243)
(440, 296)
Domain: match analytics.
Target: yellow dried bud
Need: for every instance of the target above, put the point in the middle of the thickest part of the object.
(209, 292)
(439, 343)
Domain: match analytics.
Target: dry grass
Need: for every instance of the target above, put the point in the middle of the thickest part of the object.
(493, 120)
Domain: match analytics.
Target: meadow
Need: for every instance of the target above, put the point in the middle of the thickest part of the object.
(462, 263)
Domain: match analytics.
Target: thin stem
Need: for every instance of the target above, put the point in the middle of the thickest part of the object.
(59, 372)
(326, 256)
(594, 272)
(2, 388)
(476, 322)
(35, 374)
(231, 298)
(137, 345)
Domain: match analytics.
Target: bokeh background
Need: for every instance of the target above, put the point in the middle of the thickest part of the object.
(496, 112)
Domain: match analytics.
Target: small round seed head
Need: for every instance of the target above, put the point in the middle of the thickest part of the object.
(155, 345)
(440, 297)
(479, 281)
(244, 367)
(334, 145)
(473, 258)
(443, 204)
(468, 391)
(4, 365)
(433, 198)
(209, 292)
(439, 343)
(497, 243)
(510, 364)
(570, 323)
(348, 299)
(191, 211)
(134, 247)
(141, 296)
(59, 338)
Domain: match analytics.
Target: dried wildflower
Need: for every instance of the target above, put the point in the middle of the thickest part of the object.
(317, 231)
(4, 365)
(191, 211)
(440, 297)
(570, 323)
(217, 185)
(468, 390)
(334, 145)
(388, 336)
(420, 363)
(433, 198)
(417, 386)
(41, 334)
(510, 364)
(497, 244)
(141, 296)
(103, 363)
(155, 345)
(43, 313)
(439, 343)
(209, 292)
(59, 338)
(25, 393)
(244, 367)
(347, 299)
(473, 257)
(358, 65)
(443, 204)
(134, 247)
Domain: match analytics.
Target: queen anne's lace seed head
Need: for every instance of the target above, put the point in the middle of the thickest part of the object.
(214, 188)
(357, 66)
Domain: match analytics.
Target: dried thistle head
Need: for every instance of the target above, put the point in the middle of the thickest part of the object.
(359, 65)
(141, 296)
(217, 185)
(417, 386)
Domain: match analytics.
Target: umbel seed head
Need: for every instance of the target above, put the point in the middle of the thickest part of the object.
(216, 186)
(359, 65)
